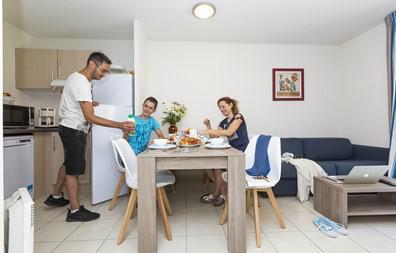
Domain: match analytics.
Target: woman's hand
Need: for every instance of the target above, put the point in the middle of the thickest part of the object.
(205, 132)
(206, 122)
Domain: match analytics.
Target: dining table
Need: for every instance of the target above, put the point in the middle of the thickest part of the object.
(192, 158)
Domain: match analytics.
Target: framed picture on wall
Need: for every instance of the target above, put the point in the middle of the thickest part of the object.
(287, 84)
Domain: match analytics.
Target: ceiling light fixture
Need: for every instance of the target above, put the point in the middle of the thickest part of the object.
(204, 10)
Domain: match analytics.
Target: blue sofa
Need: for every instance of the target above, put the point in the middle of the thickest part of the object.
(336, 156)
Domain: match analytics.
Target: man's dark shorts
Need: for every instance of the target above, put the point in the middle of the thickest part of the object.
(74, 142)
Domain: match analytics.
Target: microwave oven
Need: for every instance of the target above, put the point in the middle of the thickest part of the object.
(16, 116)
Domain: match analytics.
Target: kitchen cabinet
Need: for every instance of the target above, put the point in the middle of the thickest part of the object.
(49, 157)
(36, 68)
(70, 61)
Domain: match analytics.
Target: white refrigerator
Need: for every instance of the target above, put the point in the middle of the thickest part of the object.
(115, 94)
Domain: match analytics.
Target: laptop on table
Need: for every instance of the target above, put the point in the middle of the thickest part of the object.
(362, 175)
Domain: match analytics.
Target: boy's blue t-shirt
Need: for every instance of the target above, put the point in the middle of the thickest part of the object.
(143, 129)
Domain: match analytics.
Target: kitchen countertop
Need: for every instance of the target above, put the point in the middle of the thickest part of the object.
(30, 130)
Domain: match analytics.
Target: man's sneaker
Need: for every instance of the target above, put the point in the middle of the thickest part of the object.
(81, 215)
(51, 201)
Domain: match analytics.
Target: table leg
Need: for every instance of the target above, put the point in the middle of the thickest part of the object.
(236, 205)
(147, 219)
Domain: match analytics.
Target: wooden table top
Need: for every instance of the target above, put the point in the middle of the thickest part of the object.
(377, 187)
(200, 151)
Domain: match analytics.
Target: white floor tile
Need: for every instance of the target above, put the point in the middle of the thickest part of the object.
(46, 213)
(302, 220)
(207, 244)
(45, 247)
(341, 244)
(93, 230)
(195, 228)
(266, 245)
(373, 241)
(128, 246)
(78, 247)
(39, 224)
(291, 242)
(55, 231)
(177, 223)
(204, 225)
(390, 232)
(131, 230)
(178, 244)
(269, 223)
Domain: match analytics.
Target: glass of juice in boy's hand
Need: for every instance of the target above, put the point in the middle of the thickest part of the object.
(132, 120)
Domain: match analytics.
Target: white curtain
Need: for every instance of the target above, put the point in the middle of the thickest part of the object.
(391, 57)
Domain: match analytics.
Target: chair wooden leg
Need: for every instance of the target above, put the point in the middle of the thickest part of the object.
(134, 211)
(166, 201)
(206, 182)
(224, 215)
(117, 191)
(161, 207)
(125, 220)
(275, 206)
(256, 219)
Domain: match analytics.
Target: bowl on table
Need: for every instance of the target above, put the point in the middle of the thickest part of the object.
(160, 142)
(216, 141)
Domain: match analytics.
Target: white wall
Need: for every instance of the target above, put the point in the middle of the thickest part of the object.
(197, 74)
(140, 59)
(1, 139)
(119, 51)
(364, 88)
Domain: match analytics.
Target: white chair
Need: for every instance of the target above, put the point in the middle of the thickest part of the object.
(121, 180)
(253, 186)
(164, 178)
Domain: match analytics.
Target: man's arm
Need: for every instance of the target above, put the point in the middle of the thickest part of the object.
(88, 111)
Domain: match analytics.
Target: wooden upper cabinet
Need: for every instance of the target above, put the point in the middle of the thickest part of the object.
(70, 61)
(35, 68)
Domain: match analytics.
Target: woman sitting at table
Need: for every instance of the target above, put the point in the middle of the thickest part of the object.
(234, 128)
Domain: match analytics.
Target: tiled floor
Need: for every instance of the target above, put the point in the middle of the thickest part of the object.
(195, 229)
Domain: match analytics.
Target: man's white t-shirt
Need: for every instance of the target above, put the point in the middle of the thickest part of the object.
(77, 89)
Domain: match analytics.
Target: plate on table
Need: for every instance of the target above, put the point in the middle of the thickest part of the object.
(167, 146)
(189, 145)
(222, 146)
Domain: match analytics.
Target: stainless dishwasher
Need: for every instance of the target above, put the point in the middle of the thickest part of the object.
(18, 163)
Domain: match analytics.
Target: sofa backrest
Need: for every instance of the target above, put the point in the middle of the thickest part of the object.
(318, 149)
(322, 149)
(292, 145)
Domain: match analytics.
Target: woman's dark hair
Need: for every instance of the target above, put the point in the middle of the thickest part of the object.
(229, 101)
(98, 58)
(152, 100)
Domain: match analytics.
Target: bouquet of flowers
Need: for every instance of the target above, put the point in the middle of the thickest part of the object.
(174, 113)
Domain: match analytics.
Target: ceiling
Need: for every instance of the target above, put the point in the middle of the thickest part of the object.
(249, 21)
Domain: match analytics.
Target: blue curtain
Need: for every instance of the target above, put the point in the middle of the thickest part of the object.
(391, 57)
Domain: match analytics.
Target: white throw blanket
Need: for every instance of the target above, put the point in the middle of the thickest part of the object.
(306, 171)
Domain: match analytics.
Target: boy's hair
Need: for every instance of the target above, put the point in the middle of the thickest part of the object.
(152, 100)
(229, 101)
(98, 58)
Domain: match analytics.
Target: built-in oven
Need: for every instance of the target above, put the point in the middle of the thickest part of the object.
(16, 116)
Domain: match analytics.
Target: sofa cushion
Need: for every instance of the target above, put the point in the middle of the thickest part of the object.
(292, 145)
(321, 149)
(344, 167)
(288, 171)
(328, 166)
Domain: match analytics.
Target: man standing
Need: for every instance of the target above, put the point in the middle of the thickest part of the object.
(76, 115)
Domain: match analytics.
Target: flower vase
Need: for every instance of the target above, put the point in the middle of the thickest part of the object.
(172, 129)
